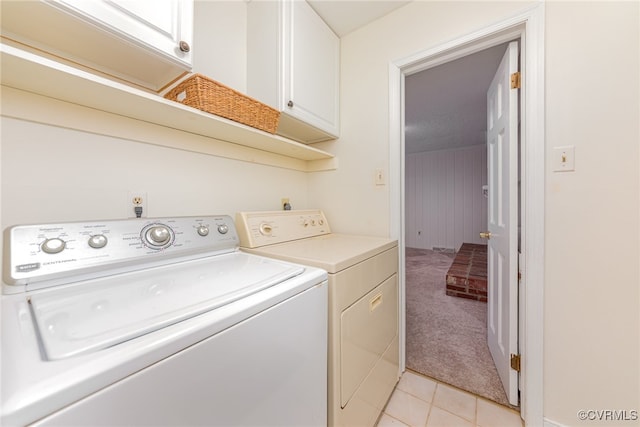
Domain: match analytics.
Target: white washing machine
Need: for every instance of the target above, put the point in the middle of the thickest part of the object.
(158, 322)
(363, 304)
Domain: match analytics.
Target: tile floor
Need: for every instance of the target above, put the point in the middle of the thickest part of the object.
(419, 401)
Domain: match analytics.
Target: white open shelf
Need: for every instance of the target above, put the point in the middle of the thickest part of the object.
(33, 73)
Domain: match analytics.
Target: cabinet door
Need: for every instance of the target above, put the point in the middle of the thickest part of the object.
(311, 68)
(161, 25)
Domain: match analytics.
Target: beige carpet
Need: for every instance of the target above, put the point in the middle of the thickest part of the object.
(447, 335)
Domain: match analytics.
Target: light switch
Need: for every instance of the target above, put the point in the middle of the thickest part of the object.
(564, 159)
(379, 178)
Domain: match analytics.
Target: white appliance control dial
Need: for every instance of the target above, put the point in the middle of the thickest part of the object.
(157, 236)
(203, 230)
(53, 245)
(223, 229)
(266, 229)
(98, 241)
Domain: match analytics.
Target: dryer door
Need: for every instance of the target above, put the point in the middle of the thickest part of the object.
(367, 329)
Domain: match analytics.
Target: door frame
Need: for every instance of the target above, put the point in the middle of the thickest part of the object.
(528, 26)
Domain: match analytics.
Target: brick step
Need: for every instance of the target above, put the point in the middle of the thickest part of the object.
(467, 276)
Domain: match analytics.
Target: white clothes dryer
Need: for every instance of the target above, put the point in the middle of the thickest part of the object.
(363, 304)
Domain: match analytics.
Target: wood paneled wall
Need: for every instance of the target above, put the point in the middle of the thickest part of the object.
(444, 204)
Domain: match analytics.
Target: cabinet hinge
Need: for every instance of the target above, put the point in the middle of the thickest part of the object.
(515, 80)
(515, 362)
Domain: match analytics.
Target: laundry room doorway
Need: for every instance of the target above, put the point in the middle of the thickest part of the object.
(528, 28)
(446, 210)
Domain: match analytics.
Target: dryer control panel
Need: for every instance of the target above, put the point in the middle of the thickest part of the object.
(51, 254)
(258, 229)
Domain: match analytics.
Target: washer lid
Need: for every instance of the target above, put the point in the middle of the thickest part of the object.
(104, 312)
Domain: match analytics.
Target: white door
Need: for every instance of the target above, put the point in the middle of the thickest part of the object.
(502, 146)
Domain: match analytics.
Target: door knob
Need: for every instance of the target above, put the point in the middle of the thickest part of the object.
(485, 235)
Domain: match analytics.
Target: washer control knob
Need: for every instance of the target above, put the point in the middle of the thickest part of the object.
(53, 246)
(203, 230)
(158, 235)
(223, 229)
(98, 241)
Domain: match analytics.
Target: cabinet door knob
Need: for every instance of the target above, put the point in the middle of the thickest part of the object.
(184, 46)
(290, 104)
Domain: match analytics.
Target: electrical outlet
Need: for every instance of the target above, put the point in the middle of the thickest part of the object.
(136, 200)
(284, 202)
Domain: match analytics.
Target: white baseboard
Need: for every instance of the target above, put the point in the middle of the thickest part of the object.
(549, 423)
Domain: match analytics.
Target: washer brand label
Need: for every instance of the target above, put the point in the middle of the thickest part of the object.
(61, 261)
(25, 268)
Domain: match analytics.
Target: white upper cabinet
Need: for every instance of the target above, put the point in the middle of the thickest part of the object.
(293, 64)
(164, 26)
(146, 43)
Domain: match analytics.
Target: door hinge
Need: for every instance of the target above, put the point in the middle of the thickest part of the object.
(515, 80)
(515, 362)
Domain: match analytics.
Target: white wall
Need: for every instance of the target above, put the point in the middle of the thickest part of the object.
(592, 278)
(592, 283)
(444, 205)
(55, 174)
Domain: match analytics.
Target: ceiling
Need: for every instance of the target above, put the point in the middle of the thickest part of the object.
(446, 106)
(345, 16)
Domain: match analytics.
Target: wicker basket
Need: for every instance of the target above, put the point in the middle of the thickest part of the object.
(201, 92)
